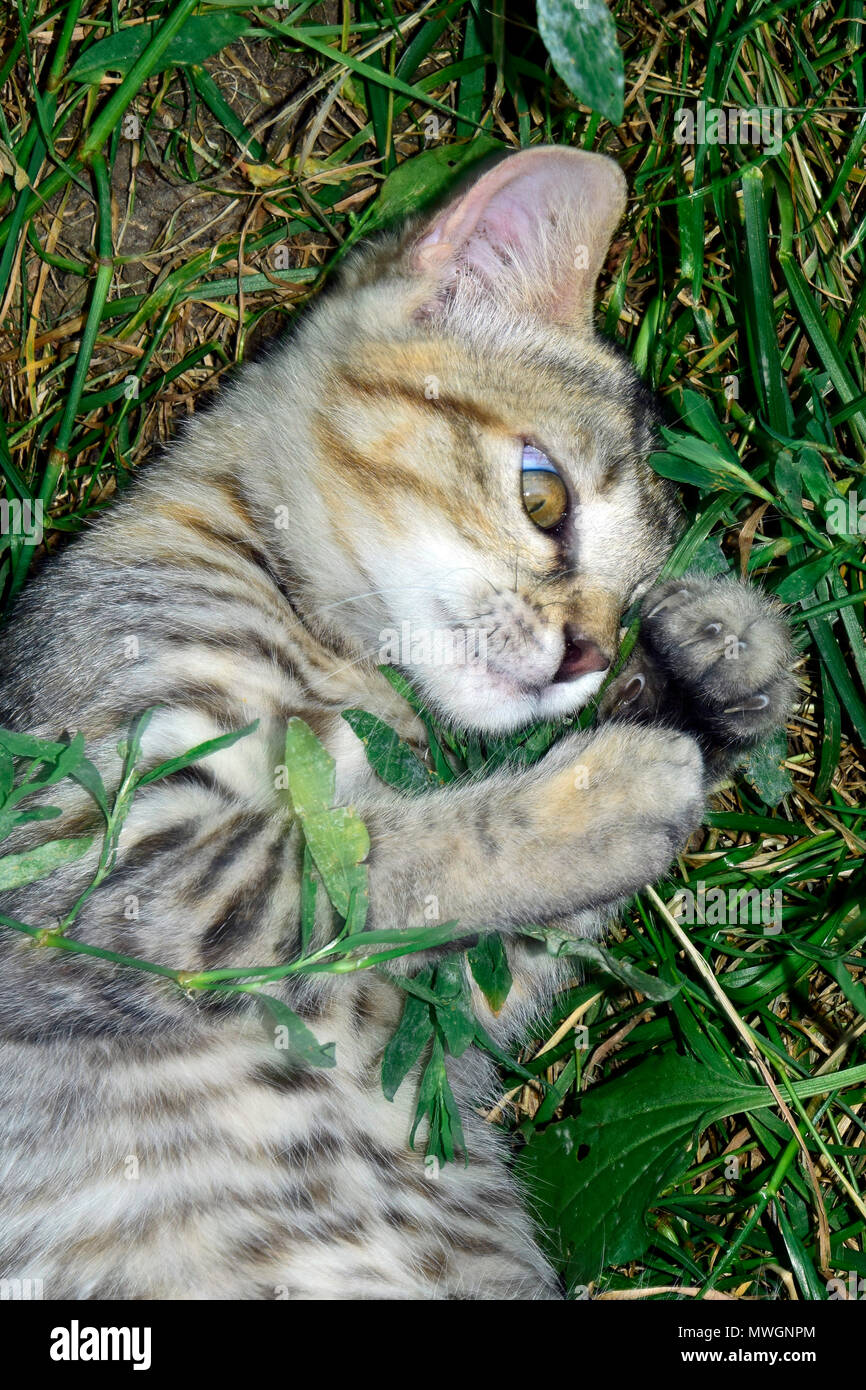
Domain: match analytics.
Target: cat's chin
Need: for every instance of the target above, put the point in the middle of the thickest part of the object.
(499, 704)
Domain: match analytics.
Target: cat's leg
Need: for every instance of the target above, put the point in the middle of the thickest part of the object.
(600, 816)
(713, 659)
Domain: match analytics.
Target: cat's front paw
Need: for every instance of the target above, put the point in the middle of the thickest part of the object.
(714, 658)
(647, 788)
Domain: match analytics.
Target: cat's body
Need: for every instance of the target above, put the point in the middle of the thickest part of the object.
(365, 475)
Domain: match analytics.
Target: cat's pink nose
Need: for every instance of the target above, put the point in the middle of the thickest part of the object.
(581, 656)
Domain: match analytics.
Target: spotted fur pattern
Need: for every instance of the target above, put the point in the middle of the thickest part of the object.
(364, 475)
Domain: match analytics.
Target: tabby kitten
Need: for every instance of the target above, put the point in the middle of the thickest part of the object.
(444, 443)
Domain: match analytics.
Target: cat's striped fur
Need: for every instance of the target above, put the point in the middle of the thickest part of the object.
(364, 475)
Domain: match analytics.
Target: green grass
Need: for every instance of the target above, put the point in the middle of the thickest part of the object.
(736, 287)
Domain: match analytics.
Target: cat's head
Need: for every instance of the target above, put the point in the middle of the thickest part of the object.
(484, 512)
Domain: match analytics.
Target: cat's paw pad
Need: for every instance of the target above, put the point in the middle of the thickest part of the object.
(726, 646)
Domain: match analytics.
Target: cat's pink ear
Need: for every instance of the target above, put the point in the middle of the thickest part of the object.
(533, 230)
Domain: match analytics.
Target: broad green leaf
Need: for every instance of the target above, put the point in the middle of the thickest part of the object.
(454, 1013)
(336, 836)
(799, 581)
(338, 842)
(407, 1044)
(87, 775)
(388, 754)
(442, 770)
(36, 813)
(428, 176)
(789, 482)
(199, 38)
(399, 682)
(699, 416)
(311, 770)
(33, 864)
(293, 1041)
(593, 1177)
(584, 49)
(813, 471)
(489, 966)
(27, 746)
(679, 470)
(57, 766)
(710, 559)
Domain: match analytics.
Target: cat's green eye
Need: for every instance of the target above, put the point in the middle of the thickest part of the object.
(545, 495)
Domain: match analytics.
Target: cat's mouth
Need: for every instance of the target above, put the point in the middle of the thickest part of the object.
(513, 674)
(581, 657)
(519, 701)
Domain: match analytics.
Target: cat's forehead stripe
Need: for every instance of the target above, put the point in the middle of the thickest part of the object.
(385, 477)
(393, 389)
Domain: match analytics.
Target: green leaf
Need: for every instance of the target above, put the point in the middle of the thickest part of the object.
(760, 313)
(33, 864)
(436, 1101)
(454, 1013)
(194, 755)
(560, 943)
(388, 754)
(718, 468)
(404, 1049)
(336, 836)
(311, 770)
(594, 1176)
(765, 772)
(7, 774)
(57, 765)
(398, 681)
(800, 580)
(309, 888)
(428, 176)
(441, 768)
(37, 813)
(710, 559)
(489, 965)
(811, 1285)
(27, 746)
(291, 1037)
(680, 470)
(701, 419)
(199, 38)
(87, 775)
(584, 49)
(338, 842)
